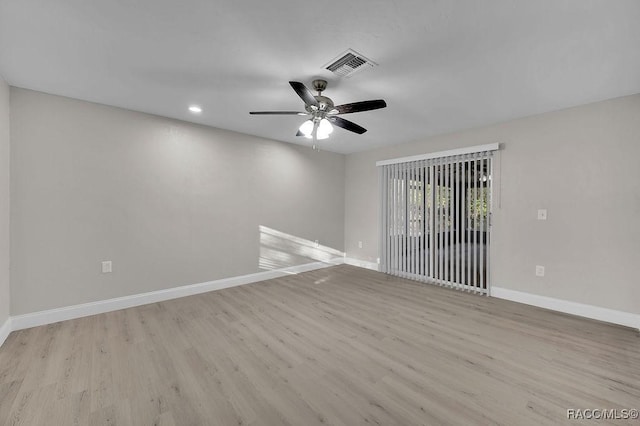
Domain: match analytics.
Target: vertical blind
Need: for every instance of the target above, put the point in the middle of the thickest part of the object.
(435, 218)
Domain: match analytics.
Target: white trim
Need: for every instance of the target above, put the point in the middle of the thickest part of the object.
(361, 263)
(588, 311)
(50, 316)
(5, 330)
(20, 322)
(449, 153)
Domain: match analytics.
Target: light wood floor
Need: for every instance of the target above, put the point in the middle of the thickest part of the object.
(342, 346)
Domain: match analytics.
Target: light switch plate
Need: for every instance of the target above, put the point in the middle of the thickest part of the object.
(542, 214)
(106, 267)
(539, 271)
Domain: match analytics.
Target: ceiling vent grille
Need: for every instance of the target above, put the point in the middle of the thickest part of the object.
(349, 63)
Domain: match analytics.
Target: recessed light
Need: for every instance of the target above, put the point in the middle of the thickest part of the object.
(195, 109)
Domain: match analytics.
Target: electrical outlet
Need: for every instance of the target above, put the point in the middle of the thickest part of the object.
(542, 214)
(539, 271)
(106, 267)
(359, 244)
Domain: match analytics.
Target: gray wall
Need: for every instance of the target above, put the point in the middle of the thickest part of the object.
(581, 164)
(4, 201)
(170, 203)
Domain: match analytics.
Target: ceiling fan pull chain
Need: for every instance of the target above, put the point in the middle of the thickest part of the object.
(315, 135)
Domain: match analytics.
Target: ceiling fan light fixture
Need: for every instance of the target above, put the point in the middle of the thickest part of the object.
(307, 128)
(324, 129)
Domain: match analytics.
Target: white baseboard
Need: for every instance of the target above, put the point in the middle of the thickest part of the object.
(19, 322)
(5, 330)
(361, 263)
(588, 311)
(35, 319)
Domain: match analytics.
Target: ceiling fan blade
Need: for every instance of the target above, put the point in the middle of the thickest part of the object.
(304, 93)
(361, 106)
(278, 113)
(347, 125)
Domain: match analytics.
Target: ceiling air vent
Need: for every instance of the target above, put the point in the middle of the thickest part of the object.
(349, 63)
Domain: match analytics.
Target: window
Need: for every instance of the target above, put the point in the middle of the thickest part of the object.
(435, 219)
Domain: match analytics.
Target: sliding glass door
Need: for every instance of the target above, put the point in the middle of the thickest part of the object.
(435, 220)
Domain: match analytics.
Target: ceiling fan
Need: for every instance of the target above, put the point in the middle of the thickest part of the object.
(323, 113)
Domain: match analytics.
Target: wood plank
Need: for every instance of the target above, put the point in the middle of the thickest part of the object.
(342, 346)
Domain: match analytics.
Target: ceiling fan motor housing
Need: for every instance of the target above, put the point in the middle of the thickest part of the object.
(325, 106)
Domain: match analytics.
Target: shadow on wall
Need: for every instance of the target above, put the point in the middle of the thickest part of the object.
(281, 250)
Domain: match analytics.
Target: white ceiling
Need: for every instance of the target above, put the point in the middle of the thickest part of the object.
(443, 65)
